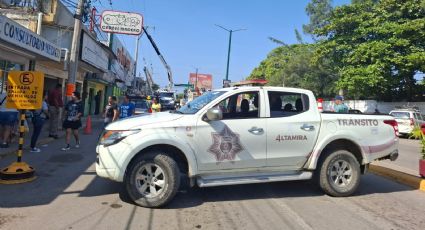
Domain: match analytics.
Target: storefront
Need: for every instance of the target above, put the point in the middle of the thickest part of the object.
(122, 67)
(20, 48)
(95, 61)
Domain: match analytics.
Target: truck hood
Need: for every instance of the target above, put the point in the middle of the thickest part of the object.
(144, 119)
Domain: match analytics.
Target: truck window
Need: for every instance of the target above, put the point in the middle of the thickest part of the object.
(285, 104)
(240, 106)
(403, 115)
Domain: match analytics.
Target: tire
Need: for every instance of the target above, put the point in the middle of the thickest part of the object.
(154, 188)
(339, 174)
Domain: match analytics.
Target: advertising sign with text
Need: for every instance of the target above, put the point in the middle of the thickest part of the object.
(25, 90)
(121, 22)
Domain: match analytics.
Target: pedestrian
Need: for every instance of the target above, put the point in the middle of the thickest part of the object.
(8, 119)
(55, 104)
(339, 106)
(72, 122)
(156, 107)
(97, 102)
(38, 118)
(111, 111)
(126, 108)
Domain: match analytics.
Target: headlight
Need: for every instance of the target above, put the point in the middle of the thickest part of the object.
(111, 137)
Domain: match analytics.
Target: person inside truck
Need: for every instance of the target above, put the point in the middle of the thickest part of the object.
(339, 106)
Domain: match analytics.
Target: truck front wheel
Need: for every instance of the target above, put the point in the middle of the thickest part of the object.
(339, 174)
(152, 180)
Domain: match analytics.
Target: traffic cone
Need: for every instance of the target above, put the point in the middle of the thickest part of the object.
(87, 130)
(320, 104)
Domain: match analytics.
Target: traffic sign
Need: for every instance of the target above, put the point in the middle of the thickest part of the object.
(25, 90)
(121, 22)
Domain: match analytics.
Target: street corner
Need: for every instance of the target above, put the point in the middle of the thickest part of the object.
(413, 181)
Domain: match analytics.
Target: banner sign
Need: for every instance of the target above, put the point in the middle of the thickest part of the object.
(25, 90)
(93, 53)
(124, 65)
(201, 81)
(121, 22)
(12, 32)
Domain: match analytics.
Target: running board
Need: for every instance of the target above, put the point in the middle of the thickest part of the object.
(211, 181)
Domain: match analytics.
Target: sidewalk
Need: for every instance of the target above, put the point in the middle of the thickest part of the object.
(405, 169)
(44, 138)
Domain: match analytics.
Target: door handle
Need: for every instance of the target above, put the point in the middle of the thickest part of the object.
(255, 130)
(306, 127)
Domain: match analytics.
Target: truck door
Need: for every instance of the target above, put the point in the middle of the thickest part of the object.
(236, 141)
(292, 128)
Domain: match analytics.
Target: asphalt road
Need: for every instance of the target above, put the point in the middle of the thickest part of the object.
(68, 195)
(408, 160)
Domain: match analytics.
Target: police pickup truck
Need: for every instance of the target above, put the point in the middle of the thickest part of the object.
(239, 136)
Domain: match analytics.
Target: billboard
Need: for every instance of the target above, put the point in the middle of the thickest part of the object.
(121, 22)
(201, 81)
(124, 65)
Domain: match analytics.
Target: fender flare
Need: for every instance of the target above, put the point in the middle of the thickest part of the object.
(320, 146)
(151, 140)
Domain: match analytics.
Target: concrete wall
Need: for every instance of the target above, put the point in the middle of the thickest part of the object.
(369, 106)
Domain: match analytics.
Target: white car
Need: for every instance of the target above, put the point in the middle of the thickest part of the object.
(407, 120)
(243, 135)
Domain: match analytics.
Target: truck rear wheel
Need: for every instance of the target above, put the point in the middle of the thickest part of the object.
(339, 174)
(152, 180)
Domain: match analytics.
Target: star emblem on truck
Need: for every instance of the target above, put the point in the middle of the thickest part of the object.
(226, 145)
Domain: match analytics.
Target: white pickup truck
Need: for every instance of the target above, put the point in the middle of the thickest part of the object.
(239, 136)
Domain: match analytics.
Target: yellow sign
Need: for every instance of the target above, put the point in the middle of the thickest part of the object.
(25, 90)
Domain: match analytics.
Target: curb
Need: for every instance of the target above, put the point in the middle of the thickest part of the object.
(403, 178)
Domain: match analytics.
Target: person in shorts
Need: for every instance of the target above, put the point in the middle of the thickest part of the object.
(8, 120)
(72, 122)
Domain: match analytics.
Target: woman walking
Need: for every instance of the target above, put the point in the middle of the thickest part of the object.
(38, 119)
(73, 113)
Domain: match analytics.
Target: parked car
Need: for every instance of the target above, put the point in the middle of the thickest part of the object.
(219, 139)
(407, 120)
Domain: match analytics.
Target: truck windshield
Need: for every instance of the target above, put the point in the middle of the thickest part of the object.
(166, 94)
(199, 102)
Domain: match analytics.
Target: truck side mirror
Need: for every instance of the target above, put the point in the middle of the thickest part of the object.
(214, 114)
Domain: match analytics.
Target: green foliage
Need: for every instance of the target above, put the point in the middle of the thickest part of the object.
(371, 49)
(417, 134)
(319, 12)
(292, 66)
(377, 47)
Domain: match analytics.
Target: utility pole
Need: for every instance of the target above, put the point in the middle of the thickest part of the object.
(73, 61)
(230, 44)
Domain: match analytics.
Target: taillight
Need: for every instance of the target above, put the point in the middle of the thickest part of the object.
(394, 124)
(412, 122)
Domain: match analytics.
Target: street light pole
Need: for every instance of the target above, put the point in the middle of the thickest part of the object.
(73, 61)
(230, 45)
(228, 55)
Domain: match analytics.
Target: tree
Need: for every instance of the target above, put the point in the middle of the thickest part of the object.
(292, 66)
(377, 47)
(319, 12)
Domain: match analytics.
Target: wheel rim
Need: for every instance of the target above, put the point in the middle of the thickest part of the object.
(150, 180)
(341, 173)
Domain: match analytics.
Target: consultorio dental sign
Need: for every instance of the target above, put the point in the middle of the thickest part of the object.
(18, 35)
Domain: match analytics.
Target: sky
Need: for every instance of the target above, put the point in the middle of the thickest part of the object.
(186, 34)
